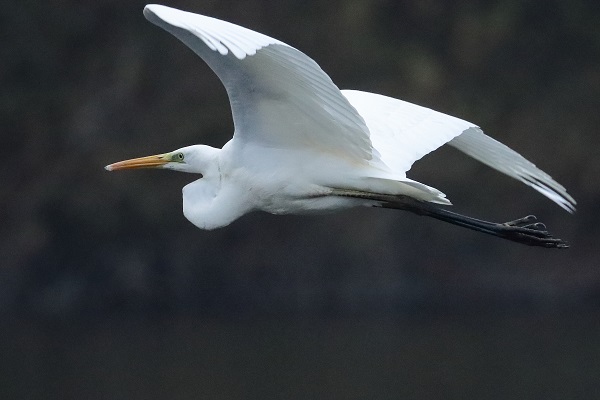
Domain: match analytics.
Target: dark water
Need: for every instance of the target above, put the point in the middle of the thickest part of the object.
(491, 357)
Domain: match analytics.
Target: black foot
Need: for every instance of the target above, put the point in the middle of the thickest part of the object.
(528, 231)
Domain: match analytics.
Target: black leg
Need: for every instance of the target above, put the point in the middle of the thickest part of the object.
(526, 230)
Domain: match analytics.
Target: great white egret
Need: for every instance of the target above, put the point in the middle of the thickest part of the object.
(302, 146)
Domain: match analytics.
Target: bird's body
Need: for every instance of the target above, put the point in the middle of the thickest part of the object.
(303, 146)
(246, 177)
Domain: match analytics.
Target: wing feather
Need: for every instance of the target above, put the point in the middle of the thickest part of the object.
(279, 96)
(504, 159)
(402, 133)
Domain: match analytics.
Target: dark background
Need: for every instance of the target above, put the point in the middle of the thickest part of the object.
(106, 291)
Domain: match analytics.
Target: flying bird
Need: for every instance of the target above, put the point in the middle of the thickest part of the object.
(302, 146)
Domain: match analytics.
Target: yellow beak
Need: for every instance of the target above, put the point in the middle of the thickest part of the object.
(142, 162)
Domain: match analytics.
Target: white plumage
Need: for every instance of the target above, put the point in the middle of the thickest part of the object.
(302, 145)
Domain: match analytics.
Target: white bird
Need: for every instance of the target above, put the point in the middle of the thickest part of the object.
(303, 146)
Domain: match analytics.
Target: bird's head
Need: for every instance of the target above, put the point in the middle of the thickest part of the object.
(196, 159)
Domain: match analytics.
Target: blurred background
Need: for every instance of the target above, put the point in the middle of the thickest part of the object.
(108, 292)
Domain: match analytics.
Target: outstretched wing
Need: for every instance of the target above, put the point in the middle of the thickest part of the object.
(403, 132)
(279, 96)
(504, 159)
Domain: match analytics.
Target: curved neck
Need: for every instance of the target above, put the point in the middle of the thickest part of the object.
(209, 205)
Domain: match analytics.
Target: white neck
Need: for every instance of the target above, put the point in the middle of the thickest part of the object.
(210, 205)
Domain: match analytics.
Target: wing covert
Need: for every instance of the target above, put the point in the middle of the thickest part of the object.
(402, 132)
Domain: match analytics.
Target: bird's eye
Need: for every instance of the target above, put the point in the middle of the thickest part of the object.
(179, 157)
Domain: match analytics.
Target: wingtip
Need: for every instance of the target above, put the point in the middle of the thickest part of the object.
(149, 9)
